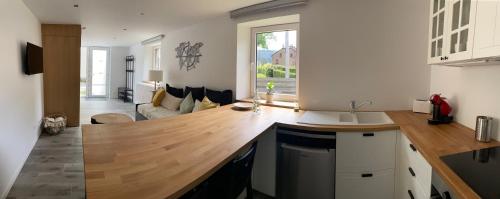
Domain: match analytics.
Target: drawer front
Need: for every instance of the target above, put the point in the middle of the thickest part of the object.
(410, 183)
(358, 152)
(419, 166)
(374, 185)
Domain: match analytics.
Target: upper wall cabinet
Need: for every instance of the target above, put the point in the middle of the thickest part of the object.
(451, 31)
(487, 37)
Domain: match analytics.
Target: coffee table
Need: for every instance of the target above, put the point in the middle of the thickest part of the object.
(110, 118)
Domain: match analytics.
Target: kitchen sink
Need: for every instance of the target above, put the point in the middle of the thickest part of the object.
(370, 118)
(344, 118)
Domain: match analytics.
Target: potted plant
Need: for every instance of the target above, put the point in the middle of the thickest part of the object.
(270, 91)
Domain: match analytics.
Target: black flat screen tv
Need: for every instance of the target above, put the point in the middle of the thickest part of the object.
(34, 59)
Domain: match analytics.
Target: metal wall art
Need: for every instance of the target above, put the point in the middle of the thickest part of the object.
(188, 55)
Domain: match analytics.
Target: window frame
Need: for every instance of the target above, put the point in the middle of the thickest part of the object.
(156, 56)
(253, 57)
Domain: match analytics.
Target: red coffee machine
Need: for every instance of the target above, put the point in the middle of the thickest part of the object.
(441, 110)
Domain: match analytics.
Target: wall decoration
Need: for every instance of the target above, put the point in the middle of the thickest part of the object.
(188, 55)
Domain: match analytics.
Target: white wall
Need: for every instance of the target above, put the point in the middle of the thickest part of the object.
(117, 70)
(471, 91)
(349, 50)
(363, 50)
(21, 96)
(217, 67)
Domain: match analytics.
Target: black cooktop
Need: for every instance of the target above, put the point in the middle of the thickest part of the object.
(480, 169)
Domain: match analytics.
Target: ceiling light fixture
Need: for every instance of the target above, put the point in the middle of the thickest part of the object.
(266, 7)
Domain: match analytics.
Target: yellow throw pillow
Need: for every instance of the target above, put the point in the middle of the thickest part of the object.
(206, 104)
(159, 95)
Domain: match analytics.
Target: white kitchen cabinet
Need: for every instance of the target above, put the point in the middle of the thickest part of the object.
(437, 19)
(414, 173)
(451, 30)
(487, 37)
(376, 185)
(366, 151)
(264, 166)
(365, 165)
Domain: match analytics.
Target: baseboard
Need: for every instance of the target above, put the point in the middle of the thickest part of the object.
(13, 179)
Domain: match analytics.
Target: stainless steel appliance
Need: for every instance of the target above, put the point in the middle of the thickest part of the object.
(306, 164)
(483, 128)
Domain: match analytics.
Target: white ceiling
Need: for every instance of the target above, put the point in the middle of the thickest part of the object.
(105, 19)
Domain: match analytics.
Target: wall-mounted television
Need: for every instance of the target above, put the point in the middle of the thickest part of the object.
(34, 59)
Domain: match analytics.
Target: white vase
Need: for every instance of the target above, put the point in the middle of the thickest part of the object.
(269, 98)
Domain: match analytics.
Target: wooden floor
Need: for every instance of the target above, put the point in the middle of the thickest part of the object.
(54, 168)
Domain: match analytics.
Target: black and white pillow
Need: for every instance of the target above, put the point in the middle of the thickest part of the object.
(197, 93)
(176, 92)
(221, 97)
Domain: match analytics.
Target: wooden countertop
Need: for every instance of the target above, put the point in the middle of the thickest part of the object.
(167, 157)
(434, 141)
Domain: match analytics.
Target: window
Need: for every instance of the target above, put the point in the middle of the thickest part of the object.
(156, 58)
(275, 58)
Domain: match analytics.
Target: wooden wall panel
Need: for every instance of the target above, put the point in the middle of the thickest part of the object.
(61, 79)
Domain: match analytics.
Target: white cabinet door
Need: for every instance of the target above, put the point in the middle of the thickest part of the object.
(460, 30)
(487, 36)
(413, 176)
(437, 31)
(264, 166)
(366, 151)
(374, 185)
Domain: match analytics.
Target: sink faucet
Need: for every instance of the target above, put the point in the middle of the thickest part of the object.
(354, 106)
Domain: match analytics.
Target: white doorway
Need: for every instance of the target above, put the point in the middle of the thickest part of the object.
(97, 79)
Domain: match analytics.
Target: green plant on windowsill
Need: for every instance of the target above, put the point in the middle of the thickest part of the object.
(270, 91)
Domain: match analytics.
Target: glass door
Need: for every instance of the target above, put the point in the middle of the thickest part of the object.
(437, 17)
(461, 29)
(97, 72)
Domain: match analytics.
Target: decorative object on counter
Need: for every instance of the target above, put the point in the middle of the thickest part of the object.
(422, 106)
(483, 128)
(188, 55)
(243, 106)
(256, 103)
(54, 123)
(270, 91)
(441, 110)
(156, 76)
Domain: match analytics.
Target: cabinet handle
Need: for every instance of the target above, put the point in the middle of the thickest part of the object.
(411, 194)
(368, 134)
(442, 58)
(446, 58)
(411, 171)
(413, 148)
(366, 175)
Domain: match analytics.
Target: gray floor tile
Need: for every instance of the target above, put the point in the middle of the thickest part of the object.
(54, 168)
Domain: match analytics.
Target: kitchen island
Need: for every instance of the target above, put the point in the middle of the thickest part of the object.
(167, 157)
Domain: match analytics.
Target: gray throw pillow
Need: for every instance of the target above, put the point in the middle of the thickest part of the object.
(187, 104)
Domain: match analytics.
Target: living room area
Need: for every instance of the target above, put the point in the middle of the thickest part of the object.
(131, 62)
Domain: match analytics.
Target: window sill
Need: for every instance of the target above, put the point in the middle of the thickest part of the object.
(281, 104)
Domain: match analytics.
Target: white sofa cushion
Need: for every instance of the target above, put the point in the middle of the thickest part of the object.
(170, 102)
(151, 112)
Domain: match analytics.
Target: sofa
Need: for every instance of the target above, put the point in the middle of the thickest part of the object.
(147, 111)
